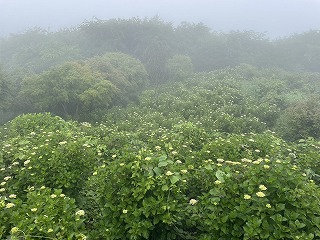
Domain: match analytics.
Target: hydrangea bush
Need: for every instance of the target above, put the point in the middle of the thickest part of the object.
(193, 160)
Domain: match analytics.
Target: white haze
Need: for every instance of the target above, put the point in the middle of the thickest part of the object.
(276, 18)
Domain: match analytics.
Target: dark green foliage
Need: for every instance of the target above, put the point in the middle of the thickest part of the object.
(44, 214)
(6, 96)
(123, 71)
(179, 68)
(77, 89)
(5, 91)
(306, 152)
(37, 50)
(58, 157)
(301, 120)
(24, 124)
(64, 90)
(164, 169)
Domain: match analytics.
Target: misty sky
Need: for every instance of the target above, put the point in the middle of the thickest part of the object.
(273, 17)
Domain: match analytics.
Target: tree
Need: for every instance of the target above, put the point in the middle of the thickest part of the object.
(299, 52)
(301, 120)
(77, 89)
(38, 50)
(123, 71)
(5, 95)
(68, 89)
(179, 67)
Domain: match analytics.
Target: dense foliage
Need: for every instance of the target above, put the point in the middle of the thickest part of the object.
(154, 41)
(191, 160)
(135, 129)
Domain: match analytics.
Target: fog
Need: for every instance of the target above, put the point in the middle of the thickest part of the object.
(273, 17)
(144, 119)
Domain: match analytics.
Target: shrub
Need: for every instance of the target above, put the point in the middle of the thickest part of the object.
(46, 213)
(301, 120)
(47, 152)
(154, 194)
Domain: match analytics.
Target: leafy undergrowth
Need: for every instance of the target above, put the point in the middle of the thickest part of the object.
(194, 163)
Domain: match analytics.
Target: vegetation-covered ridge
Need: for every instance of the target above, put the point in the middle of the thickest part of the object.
(105, 62)
(153, 41)
(193, 159)
(135, 129)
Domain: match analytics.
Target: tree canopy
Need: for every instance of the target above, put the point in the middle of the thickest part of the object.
(79, 88)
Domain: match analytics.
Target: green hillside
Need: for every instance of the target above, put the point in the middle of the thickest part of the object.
(112, 137)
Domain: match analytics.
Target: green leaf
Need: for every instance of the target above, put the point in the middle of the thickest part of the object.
(299, 224)
(224, 218)
(214, 192)
(163, 164)
(157, 171)
(220, 175)
(174, 179)
(214, 200)
(162, 158)
(208, 167)
(165, 188)
(20, 156)
(280, 206)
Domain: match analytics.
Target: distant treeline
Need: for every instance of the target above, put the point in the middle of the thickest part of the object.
(105, 63)
(154, 41)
